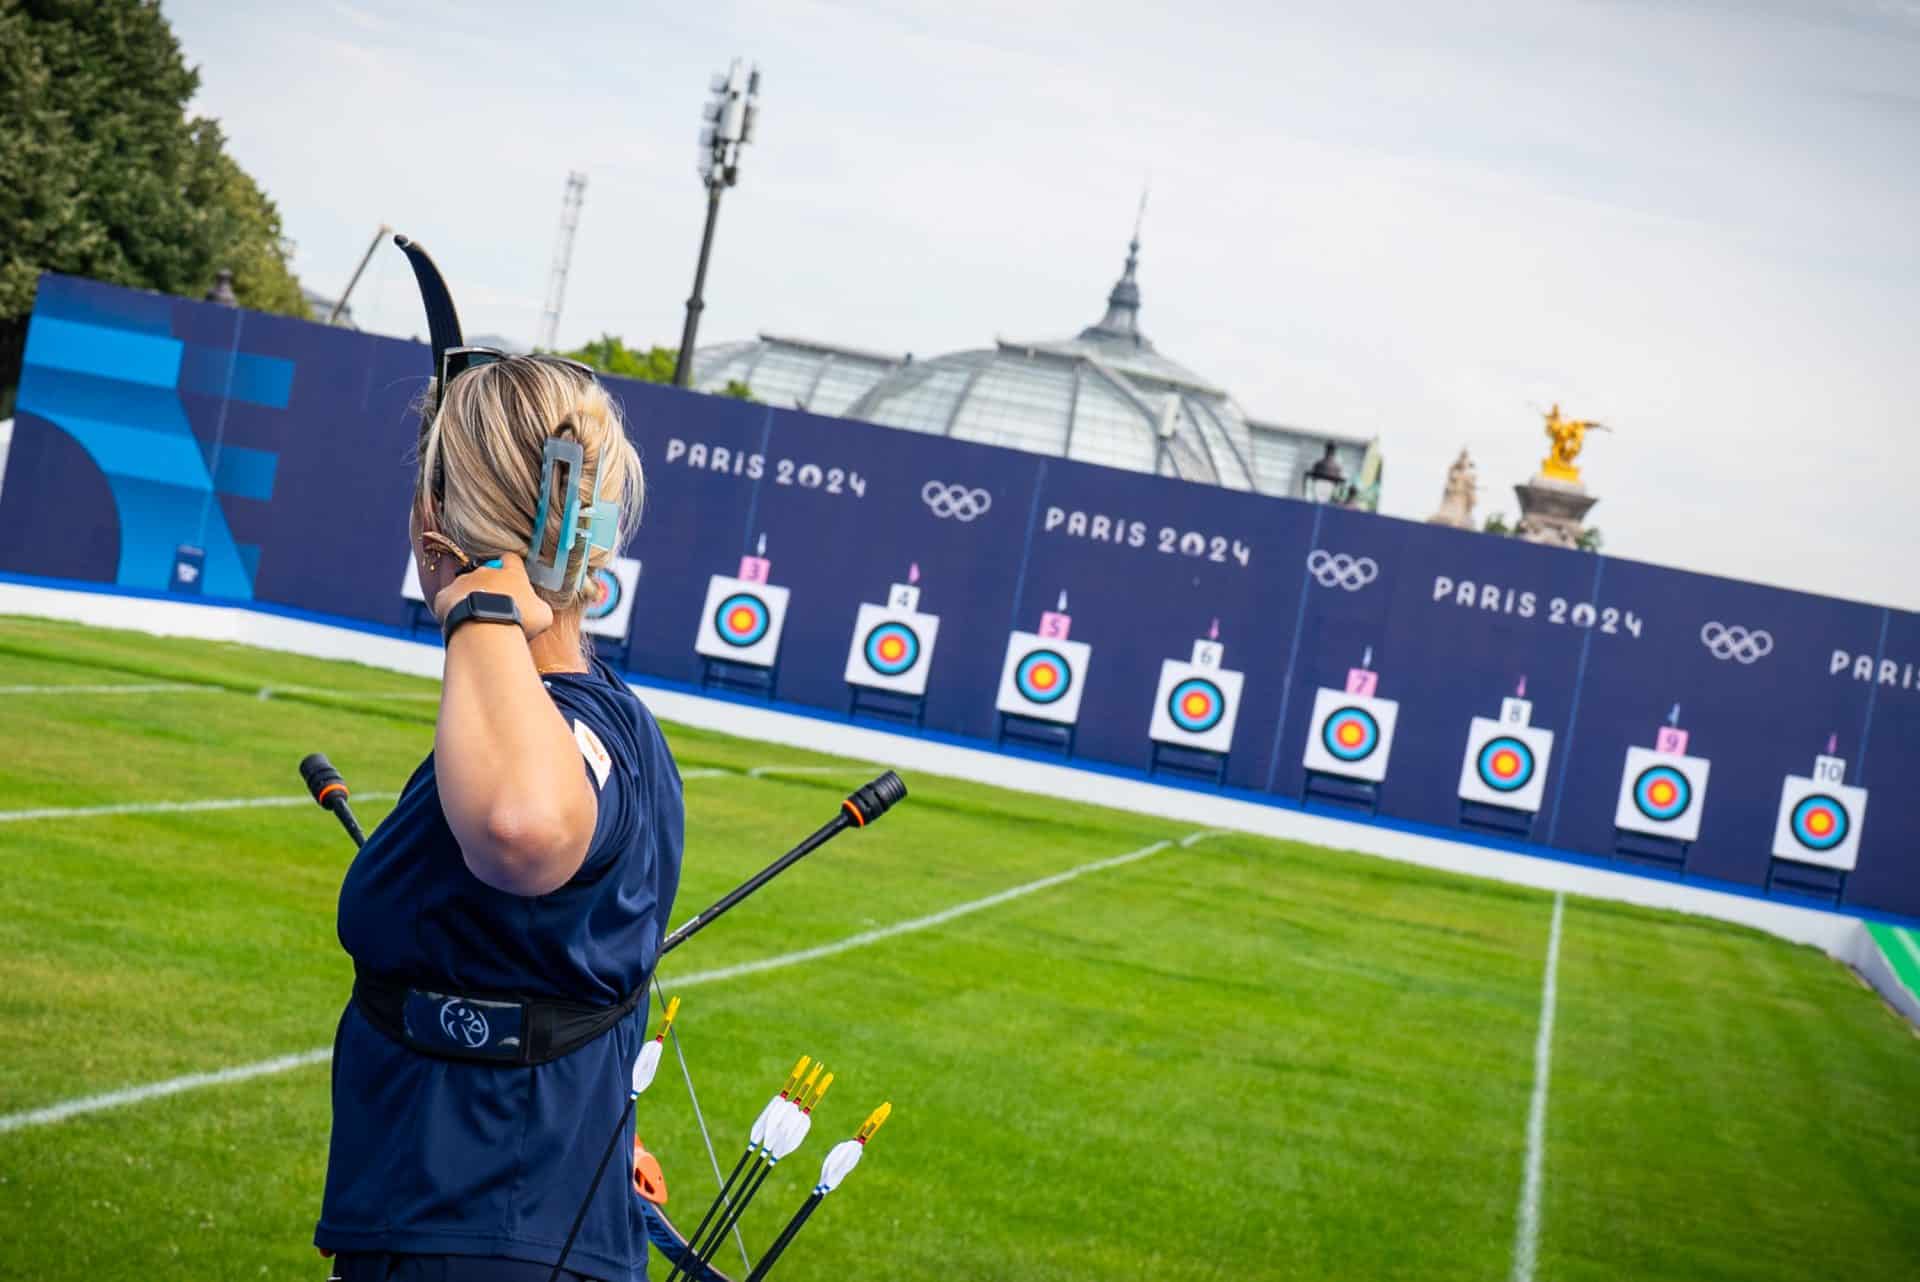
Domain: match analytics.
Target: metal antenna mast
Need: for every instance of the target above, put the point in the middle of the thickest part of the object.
(562, 256)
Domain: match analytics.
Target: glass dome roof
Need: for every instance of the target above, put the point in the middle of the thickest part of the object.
(792, 373)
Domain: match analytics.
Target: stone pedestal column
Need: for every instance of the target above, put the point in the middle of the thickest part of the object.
(1551, 511)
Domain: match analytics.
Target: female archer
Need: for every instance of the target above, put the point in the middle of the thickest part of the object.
(504, 919)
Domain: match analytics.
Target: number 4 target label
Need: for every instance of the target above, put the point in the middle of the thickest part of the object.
(892, 644)
(1820, 817)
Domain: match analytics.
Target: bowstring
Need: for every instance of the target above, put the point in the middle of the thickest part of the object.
(673, 1035)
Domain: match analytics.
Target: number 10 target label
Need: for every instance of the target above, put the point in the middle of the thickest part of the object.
(1820, 818)
(741, 621)
(1043, 677)
(1662, 794)
(1351, 735)
(892, 645)
(1197, 702)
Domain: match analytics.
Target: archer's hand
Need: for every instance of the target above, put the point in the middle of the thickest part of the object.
(536, 616)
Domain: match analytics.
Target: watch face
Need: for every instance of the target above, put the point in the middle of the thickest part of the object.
(493, 605)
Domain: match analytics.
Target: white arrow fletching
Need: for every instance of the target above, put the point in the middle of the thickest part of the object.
(760, 1123)
(645, 1065)
(843, 1158)
(784, 1139)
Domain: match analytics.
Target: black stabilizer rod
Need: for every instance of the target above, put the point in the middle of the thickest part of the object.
(330, 790)
(862, 808)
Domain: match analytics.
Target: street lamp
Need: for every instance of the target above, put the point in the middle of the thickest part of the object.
(1325, 479)
(726, 125)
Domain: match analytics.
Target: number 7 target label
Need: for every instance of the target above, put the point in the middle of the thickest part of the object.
(1351, 735)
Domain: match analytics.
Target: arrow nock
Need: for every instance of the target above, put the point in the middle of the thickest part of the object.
(807, 1105)
(875, 1120)
(793, 1078)
(673, 1010)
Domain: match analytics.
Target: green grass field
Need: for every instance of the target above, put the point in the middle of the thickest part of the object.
(1239, 1058)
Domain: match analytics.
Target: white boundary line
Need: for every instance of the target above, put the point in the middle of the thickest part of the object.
(193, 1081)
(1526, 1233)
(171, 807)
(156, 687)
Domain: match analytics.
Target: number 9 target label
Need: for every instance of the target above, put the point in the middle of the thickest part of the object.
(1043, 677)
(741, 622)
(1196, 706)
(891, 649)
(1819, 823)
(1662, 794)
(1505, 764)
(1351, 735)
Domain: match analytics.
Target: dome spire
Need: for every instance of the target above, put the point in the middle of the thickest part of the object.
(1122, 320)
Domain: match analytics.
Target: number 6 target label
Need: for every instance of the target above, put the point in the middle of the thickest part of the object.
(1197, 703)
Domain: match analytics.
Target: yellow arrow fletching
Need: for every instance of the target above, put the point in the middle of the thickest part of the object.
(875, 1120)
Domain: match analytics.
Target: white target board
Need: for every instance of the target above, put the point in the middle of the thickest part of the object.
(410, 585)
(1505, 764)
(1351, 735)
(1819, 822)
(892, 649)
(741, 621)
(1662, 794)
(610, 609)
(1043, 677)
(1196, 706)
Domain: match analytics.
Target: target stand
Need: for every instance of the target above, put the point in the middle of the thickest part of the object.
(890, 656)
(1503, 773)
(1816, 836)
(1041, 683)
(1656, 818)
(739, 637)
(1195, 709)
(1348, 744)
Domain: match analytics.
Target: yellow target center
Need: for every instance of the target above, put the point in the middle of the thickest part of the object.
(892, 648)
(1505, 763)
(1044, 678)
(1196, 705)
(1820, 823)
(741, 620)
(1349, 734)
(1662, 793)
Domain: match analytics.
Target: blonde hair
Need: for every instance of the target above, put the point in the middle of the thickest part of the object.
(479, 466)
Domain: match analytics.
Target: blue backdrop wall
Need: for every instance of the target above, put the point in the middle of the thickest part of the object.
(279, 450)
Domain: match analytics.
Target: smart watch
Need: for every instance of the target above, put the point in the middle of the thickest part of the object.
(480, 607)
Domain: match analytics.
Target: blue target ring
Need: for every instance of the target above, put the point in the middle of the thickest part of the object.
(1662, 793)
(607, 593)
(742, 619)
(1350, 734)
(1043, 676)
(1196, 705)
(1820, 822)
(892, 648)
(1505, 763)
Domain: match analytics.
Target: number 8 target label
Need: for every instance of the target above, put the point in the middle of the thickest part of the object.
(891, 649)
(1351, 735)
(1819, 822)
(1196, 706)
(1043, 677)
(1505, 764)
(741, 622)
(1662, 794)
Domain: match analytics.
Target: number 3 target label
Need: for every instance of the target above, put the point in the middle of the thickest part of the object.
(892, 648)
(741, 622)
(1662, 794)
(1505, 764)
(1819, 822)
(1351, 735)
(1196, 705)
(1043, 677)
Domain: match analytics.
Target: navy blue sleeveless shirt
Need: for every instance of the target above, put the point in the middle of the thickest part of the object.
(435, 1157)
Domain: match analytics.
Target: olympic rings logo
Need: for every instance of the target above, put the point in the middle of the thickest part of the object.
(959, 502)
(1731, 641)
(1338, 570)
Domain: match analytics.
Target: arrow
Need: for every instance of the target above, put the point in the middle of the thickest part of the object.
(1833, 745)
(841, 1160)
(1521, 693)
(1213, 633)
(761, 548)
(1673, 718)
(1366, 660)
(755, 1135)
(913, 572)
(1062, 607)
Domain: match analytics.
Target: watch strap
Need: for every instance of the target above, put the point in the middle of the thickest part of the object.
(480, 607)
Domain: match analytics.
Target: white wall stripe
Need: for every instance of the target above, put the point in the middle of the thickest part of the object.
(1526, 1233)
(192, 1081)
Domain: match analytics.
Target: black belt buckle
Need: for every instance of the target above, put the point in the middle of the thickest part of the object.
(453, 1025)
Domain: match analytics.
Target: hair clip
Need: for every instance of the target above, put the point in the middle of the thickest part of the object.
(600, 529)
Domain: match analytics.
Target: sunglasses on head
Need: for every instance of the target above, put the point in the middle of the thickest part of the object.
(456, 361)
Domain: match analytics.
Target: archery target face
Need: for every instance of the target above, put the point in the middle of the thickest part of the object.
(1196, 706)
(1819, 823)
(1661, 794)
(410, 585)
(611, 608)
(1505, 764)
(1043, 677)
(891, 649)
(741, 622)
(1351, 735)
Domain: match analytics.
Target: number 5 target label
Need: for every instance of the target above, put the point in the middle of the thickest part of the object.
(1043, 677)
(892, 648)
(1819, 823)
(1351, 735)
(741, 622)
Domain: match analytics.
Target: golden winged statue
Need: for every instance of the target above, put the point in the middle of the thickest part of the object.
(1567, 436)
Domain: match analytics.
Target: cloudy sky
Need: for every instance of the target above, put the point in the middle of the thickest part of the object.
(1696, 220)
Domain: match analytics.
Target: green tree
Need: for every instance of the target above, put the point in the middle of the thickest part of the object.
(103, 174)
(1497, 524)
(610, 354)
(1591, 539)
